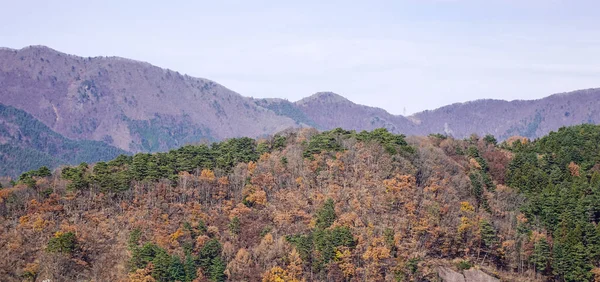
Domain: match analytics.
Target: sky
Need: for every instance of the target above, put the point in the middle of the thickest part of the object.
(404, 56)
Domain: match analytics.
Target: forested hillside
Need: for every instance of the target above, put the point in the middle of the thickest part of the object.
(308, 206)
(26, 144)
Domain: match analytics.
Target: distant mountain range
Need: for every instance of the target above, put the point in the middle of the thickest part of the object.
(138, 107)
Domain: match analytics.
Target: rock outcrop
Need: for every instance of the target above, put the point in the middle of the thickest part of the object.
(470, 275)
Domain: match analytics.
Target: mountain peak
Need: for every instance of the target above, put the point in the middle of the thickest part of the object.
(35, 49)
(324, 97)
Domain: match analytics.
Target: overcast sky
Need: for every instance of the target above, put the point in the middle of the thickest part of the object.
(399, 55)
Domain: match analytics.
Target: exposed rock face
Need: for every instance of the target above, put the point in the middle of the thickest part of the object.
(476, 275)
(469, 275)
(449, 275)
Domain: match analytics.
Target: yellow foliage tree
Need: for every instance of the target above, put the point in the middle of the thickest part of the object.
(343, 257)
(207, 175)
(294, 269)
(258, 197)
(141, 275)
(278, 274)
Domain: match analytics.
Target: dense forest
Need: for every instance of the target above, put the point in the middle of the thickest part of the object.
(26, 144)
(305, 205)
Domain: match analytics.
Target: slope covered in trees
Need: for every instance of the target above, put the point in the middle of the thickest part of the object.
(308, 206)
(26, 144)
(560, 176)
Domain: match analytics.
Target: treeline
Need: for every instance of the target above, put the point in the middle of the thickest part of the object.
(117, 175)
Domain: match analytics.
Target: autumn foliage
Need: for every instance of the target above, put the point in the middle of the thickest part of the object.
(301, 206)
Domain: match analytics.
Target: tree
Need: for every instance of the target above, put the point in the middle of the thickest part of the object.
(139, 169)
(189, 268)
(210, 250)
(235, 226)
(177, 270)
(217, 269)
(162, 264)
(541, 255)
(326, 215)
(62, 243)
(488, 234)
(490, 140)
(43, 171)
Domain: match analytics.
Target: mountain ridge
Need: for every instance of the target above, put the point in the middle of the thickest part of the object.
(139, 107)
(119, 100)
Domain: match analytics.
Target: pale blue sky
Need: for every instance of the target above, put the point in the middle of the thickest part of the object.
(399, 55)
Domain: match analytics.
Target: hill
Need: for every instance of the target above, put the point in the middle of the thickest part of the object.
(27, 144)
(128, 104)
(330, 110)
(331, 206)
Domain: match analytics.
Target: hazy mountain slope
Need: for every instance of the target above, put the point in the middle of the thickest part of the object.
(286, 108)
(331, 110)
(139, 107)
(26, 144)
(529, 118)
(132, 105)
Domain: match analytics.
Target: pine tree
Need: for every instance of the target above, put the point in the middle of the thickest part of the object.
(189, 267)
(488, 233)
(541, 255)
(235, 226)
(139, 168)
(217, 269)
(44, 172)
(325, 215)
(580, 266)
(209, 251)
(162, 263)
(176, 270)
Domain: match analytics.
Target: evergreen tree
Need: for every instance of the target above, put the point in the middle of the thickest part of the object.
(139, 169)
(325, 215)
(209, 251)
(235, 226)
(541, 255)
(162, 263)
(177, 270)
(43, 171)
(488, 234)
(189, 268)
(62, 243)
(217, 269)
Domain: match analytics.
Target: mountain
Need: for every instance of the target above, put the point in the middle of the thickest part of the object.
(288, 109)
(330, 110)
(27, 144)
(129, 104)
(528, 118)
(138, 107)
(503, 119)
